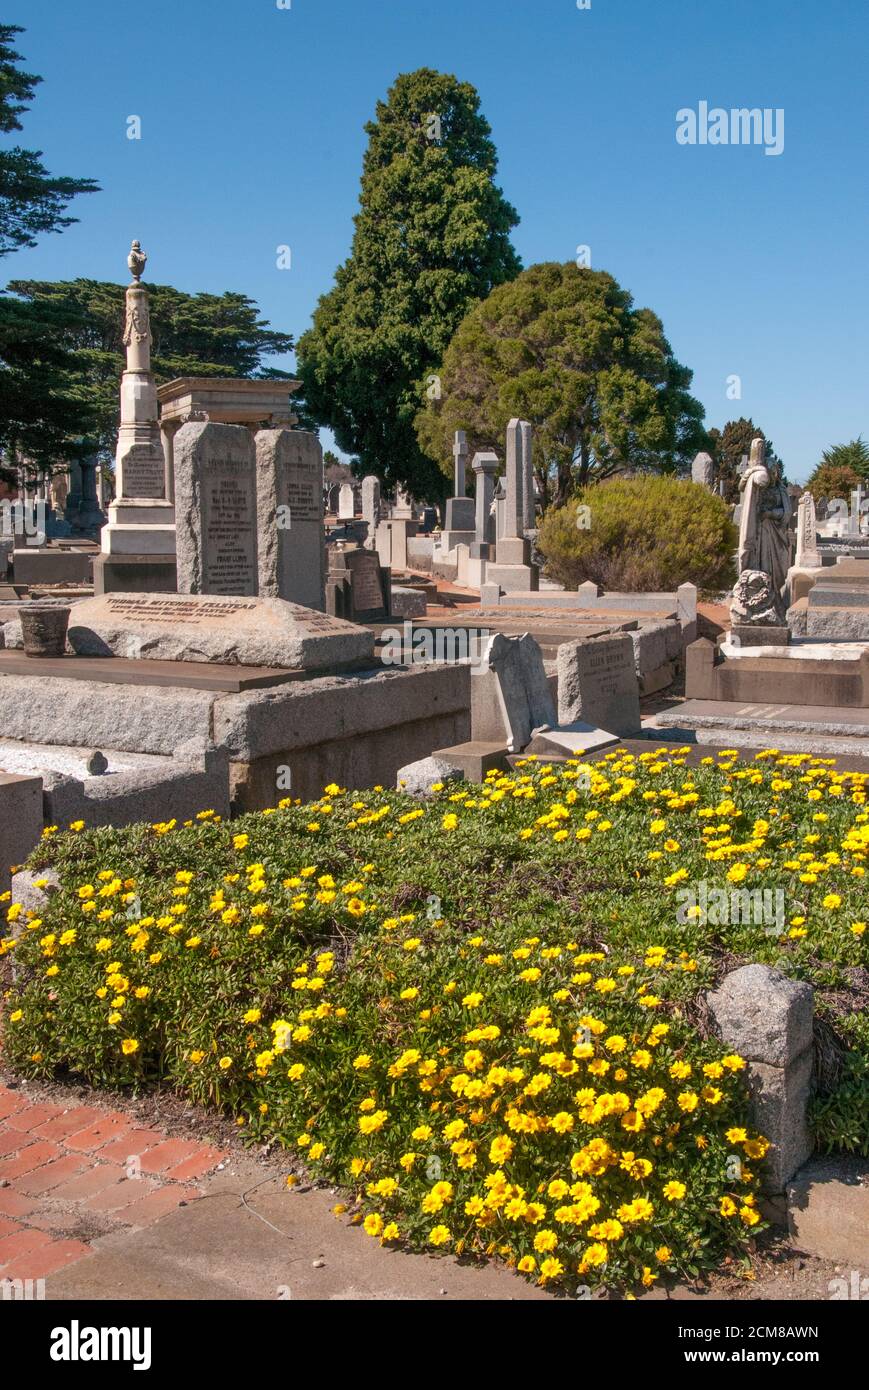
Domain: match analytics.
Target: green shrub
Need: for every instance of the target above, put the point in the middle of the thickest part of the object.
(641, 534)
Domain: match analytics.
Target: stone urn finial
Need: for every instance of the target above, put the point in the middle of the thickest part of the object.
(136, 261)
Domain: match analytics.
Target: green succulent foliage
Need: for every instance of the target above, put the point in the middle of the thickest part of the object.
(840, 1120)
(432, 237)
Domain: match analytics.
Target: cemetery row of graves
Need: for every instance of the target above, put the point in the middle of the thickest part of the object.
(567, 965)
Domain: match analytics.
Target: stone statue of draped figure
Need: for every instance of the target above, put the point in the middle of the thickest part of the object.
(764, 534)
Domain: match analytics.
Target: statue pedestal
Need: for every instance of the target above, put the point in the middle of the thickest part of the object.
(760, 635)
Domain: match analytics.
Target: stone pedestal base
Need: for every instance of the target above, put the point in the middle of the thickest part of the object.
(750, 635)
(513, 578)
(450, 539)
(513, 550)
(135, 574)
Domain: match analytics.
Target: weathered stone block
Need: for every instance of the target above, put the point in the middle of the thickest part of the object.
(780, 1097)
(417, 779)
(763, 1015)
(20, 821)
(597, 683)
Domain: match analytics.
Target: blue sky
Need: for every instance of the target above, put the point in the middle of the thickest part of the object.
(252, 138)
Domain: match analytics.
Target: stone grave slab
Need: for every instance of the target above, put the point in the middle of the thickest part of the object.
(216, 628)
(572, 742)
(597, 683)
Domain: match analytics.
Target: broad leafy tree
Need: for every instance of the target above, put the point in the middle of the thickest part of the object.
(564, 348)
(432, 237)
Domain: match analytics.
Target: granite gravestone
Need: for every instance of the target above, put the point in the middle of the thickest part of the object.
(216, 509)
(703, 471)
(597, 683)
(291, 541)
(358, 586)
(226, 630)
(370, 508)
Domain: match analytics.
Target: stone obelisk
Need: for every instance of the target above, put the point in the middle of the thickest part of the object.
(138, 543)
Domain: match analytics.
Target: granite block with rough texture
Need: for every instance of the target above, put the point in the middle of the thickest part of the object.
(417, 779)
(763, 1015)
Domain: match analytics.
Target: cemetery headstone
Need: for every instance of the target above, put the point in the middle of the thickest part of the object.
(346, 503)
(290, 539)
(703, 471)
(216, 509)
(357, 586)
(597, 683)
(371, 508)
(485, 466)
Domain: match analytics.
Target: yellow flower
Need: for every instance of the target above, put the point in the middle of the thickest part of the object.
(129, 1046)
(439, 1235)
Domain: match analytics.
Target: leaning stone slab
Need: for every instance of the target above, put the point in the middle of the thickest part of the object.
(216, 628)
(570, 743)
(510, 695)
(417, 779)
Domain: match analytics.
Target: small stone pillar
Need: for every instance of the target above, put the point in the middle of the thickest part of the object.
(767, 1019)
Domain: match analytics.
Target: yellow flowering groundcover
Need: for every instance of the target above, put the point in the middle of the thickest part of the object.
(477, 1012)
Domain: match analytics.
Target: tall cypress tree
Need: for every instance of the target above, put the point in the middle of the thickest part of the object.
(432, 237)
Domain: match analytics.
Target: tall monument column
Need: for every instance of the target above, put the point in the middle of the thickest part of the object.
(138, 544)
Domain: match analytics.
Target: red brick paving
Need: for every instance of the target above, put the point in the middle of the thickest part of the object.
(118, 1195)
(136, 1143)
(168, 1154)
(58, 1164)
(89, 1182)
(68, 1122)
(31, 1117)
(106, 1128)
(42, 1180)
(29, 1158)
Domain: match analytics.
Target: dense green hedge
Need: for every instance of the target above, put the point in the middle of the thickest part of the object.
(641, 534)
